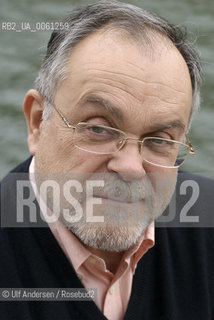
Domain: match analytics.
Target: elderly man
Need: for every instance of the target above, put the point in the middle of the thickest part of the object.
(107, 130)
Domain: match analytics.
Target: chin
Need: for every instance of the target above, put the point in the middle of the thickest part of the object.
(108, 237)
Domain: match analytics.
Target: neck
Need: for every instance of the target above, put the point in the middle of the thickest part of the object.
(112, 259)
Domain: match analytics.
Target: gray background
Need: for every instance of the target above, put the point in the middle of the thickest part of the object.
(21, 55)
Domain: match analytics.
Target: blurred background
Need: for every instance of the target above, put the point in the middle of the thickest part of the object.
(21, 54)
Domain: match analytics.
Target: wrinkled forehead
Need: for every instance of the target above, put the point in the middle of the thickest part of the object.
(116, 50)
(128, 75)
(114, 55)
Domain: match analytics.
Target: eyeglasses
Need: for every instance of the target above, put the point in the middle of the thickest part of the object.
(101, 139)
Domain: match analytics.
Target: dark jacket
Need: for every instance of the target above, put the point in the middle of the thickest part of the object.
(173, 281)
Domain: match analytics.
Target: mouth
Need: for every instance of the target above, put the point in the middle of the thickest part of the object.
(116, 200)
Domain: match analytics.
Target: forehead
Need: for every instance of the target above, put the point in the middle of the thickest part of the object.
(141, 80)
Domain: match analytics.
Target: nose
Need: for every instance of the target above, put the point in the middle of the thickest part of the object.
(127, 162)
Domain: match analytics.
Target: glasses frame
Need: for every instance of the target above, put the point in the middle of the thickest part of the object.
(189, 145)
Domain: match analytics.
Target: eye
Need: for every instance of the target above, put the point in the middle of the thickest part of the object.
(157, 144)
(97, 129)
(161, 141)
(97, 132)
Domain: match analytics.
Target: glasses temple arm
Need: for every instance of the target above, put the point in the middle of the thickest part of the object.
(61, 116)
(192, 151)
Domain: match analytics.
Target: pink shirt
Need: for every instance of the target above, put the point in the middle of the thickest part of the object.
(113, 290)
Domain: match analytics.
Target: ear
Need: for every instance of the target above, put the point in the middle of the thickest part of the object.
(33, 108)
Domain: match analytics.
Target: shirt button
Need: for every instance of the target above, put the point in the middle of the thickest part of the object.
(111, 290)
(79, 276)
(92, 260)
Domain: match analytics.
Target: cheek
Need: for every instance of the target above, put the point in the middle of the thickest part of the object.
(57, 154)
(53, 158)
(163, 186)
(53, 152)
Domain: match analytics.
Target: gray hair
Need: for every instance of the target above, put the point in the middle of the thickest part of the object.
(85, 20)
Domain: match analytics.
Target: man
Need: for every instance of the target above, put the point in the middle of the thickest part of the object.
(107, 128)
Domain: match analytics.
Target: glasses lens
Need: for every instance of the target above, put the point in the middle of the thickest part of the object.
(164, 152)
(97, 138)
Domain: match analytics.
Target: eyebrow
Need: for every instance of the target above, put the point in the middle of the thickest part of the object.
(115, 111)
(168, 125)
(103, 103)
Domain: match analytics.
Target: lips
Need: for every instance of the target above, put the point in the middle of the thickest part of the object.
(117, 200)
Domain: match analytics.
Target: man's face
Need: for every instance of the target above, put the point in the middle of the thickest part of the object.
(150, 95)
